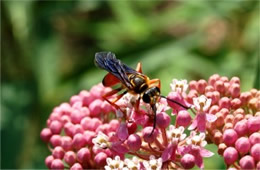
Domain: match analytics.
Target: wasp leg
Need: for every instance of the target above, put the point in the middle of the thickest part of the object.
(154, 119)
(155, 81)
(105, 97)
(139, 68)
(137, 104)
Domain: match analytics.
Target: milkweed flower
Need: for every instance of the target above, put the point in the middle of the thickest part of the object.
(202, 104)
(114, 164)
(153, 163)
(195, 146)
(88, 133)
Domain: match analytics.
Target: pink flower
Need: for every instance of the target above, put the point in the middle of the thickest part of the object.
(202, 105)
(195, 147)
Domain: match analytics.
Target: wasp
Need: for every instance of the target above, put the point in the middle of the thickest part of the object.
(132, 81)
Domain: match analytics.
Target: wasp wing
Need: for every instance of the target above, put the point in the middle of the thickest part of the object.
(109, 62)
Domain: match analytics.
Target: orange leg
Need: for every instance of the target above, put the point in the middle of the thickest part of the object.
(139, 68)
(105, 97)
(156, 81)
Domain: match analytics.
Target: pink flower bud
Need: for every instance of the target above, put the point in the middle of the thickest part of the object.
(235, 80)
(235, 103)
(188, 161)
(229, 137)
(192, 94)
(245, 97)
(56, 127)
(100, 159)
(95, 108)
(192, 85)
(247, 162)
(65, 108)
(224, 111)
(220, 119)
(134, 142)
(148, 136)
(66, 143)
(234, 90)
(83, 155)
(86, 97)
(239, 111)
(55, 116)
(243, 145)
(74, 99)
(213, 79)
(214, 109)
(78, 129)
(48, 161)
(57, 164)
(241, 127)
(95, 122)
(85, 122)
(219, 86)
(162, 120)
(254, 138)
(58, 152)
(96, 91)
(131, 127)
(224, 102)
(183, 118)
(253, 124)
(215, 97)
(65, 119)
(76, 166)
(106, 107)
(78, 141)
(70, 157)
(176, 97)
(230, 155)
(46, 134)
(76, 116)
(258, 166)
(89, 135)
(114, 124)
(69, 129)
(209, 88)
(227, 86)
(255, 152)
(224, 79)
(55, 140)
(201, 85)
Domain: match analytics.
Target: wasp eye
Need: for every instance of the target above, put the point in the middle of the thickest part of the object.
(146, 98)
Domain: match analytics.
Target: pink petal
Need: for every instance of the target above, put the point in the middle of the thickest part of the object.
(201, 122)
(118, 147)
(199, 162)
(205, 153)
(140, 118)
(211, 117)
(184, 149)
(168, 152)
(122, 132)
(198, 158)
(194, 123)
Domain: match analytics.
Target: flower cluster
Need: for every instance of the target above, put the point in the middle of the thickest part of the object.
(236, 130)
(88, 132)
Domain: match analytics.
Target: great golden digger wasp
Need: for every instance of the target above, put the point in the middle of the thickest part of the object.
(132, 81)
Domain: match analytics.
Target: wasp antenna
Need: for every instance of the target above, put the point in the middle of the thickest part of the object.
(185, 107)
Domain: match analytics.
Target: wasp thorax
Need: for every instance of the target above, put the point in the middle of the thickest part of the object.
(139, 83)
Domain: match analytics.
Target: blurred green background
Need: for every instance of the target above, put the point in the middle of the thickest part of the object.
(48, 49)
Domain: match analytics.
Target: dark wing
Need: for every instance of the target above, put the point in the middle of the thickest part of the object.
(109, 62)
